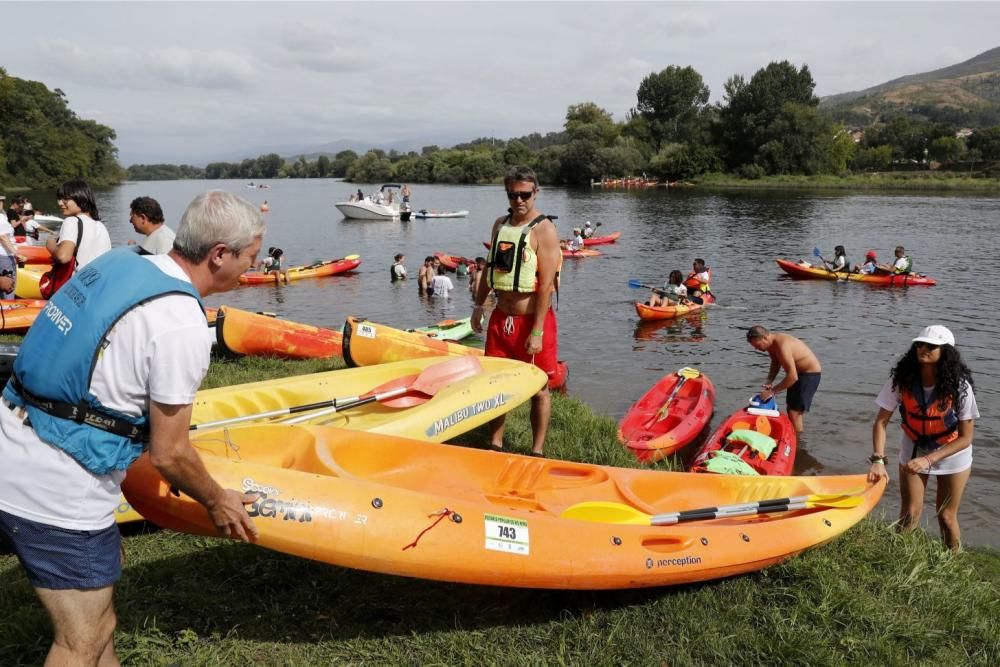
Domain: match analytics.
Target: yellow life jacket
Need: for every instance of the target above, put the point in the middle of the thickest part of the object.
(512, 266)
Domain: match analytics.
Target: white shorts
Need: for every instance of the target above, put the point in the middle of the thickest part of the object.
(957, 462)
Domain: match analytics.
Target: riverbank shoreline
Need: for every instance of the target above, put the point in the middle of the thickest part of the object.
(878, 181)
(871, 595)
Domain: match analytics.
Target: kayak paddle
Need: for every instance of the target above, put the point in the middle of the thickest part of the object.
(428, 382)
(636, 284)
(609, 512)
(686, 374)
(394, 393)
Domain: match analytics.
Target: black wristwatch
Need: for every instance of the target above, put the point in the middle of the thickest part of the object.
(876, 458)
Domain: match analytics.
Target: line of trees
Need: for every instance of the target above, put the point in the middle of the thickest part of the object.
(43, 143)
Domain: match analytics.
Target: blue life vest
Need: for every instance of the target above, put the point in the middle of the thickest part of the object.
(57, 358)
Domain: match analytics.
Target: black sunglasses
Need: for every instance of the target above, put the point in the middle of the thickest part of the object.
(929, 346)
(523, 196)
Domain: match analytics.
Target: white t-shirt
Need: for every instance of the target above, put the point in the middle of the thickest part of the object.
(575, 243)
(442, 286)
(158, 350)
(6, 229)
(400, 271)
(94, 243)
(160, 241)
(901, 264)
(888, 399)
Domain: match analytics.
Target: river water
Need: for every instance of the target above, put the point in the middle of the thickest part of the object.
(858, 331)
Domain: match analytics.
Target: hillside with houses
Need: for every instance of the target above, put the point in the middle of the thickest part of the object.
(966, 95)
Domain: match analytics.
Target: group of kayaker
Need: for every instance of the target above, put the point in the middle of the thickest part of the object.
(902, 264)
(677, 290)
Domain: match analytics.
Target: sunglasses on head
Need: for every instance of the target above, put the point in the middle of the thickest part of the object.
(523, 196)
(929, 346)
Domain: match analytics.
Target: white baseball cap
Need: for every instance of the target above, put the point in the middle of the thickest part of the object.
(936, 334)
(587, 223)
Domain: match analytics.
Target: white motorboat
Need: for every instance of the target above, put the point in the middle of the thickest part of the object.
(424, 213)
(384, 206)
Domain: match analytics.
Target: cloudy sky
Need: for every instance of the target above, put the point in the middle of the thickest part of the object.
(194, 82)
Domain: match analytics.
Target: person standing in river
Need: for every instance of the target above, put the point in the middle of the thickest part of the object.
(522, 267)
(801, 366)
(932, 389)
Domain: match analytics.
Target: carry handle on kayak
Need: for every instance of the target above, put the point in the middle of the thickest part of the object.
(428, 382)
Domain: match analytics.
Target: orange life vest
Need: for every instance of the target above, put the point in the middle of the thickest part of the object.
(929, 423)
(692, 281)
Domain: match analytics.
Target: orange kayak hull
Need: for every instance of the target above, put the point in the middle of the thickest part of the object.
(367, 343)
(241, 333)
(404, 507)
(331, 267)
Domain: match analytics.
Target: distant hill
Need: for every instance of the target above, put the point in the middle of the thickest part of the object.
(966, 94)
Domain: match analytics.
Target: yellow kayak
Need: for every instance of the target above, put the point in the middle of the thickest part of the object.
(27, 280)
(498, 388)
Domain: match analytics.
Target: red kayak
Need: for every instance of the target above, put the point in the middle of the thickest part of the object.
(602, 240)
(749, 444)
(558, 379)
(565, 253)
(810, 272)
(670, 415)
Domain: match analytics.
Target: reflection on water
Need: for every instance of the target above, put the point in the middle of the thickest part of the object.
(858, 331)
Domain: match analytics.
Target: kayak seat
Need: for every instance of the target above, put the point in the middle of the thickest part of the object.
(313, 457)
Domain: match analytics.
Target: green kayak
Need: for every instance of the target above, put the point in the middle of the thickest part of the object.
(449, 329)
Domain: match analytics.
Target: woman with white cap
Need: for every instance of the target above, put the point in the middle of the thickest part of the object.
(932, 388)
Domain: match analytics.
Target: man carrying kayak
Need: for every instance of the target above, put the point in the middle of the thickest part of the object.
(802, 370)
(108, 372)
(521, 268)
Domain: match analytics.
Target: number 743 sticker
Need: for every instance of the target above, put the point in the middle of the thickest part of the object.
(506, 534)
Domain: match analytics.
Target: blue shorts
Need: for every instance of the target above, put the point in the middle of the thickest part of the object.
(59, 558)
(800, 394)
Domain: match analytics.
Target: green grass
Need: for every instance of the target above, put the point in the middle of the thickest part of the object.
(908, 181)
(872, 596)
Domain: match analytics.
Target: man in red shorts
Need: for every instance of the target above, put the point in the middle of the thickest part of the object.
(521, 269)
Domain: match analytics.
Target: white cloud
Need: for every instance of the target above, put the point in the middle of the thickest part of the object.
(146, 69)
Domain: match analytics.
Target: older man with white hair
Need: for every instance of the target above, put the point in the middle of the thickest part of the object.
(108, 371)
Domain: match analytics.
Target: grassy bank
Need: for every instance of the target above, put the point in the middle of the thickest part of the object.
(871, 596)
(905, 181)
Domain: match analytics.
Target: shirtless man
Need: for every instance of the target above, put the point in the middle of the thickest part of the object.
(802, 370)
(521, 268)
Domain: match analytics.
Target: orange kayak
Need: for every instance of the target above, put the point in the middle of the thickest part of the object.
(367, 343)
(18, 320)
(34, 254)
(405, 507)
(320, 270)
(668, 416)
(648, 313)
(799, 270)
(240, 333)
(451, 262)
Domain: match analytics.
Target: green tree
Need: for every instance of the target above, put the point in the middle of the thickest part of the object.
(750, 107)
(268, 165)
(671, 102)
(946, 149)
(342, 161)
(372, 167)
(323, 166)
(987, 142)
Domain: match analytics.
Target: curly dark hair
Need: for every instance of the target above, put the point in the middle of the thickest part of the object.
(951, 371)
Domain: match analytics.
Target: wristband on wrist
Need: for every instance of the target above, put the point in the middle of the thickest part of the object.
(878, 458)
(478, 305)
(536, 332)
